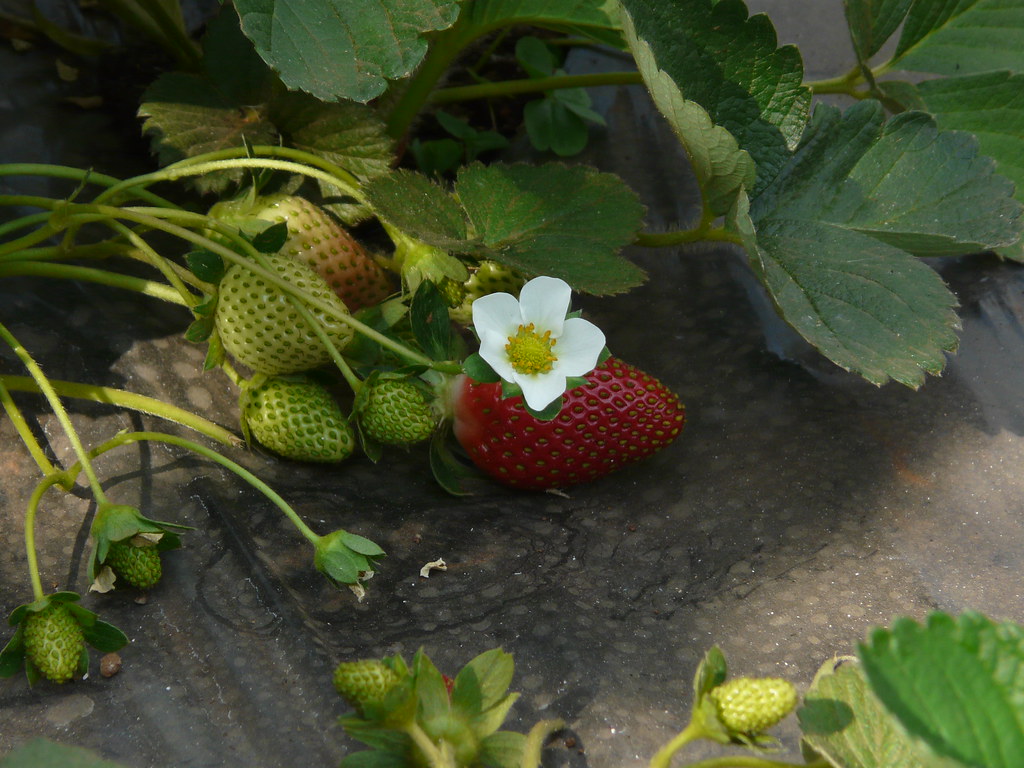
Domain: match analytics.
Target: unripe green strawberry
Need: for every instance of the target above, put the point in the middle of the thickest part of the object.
(364, 682)
(397, 412)
(750, 705)
(261, 327)
(54, 642)
(316, 239)
(138, 565)
(488, 277)
(298, 419)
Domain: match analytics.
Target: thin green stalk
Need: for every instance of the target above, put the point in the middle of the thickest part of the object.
(159, 263)
(683, 236)
(126, 438)
(752, 761)
(436, 757)
(140, 18)
(124, 399)
(444, 49)
(82, 175)
(92, 275)
(101, 250)
(535, 85)
(184, 48)
(30, 531)
(663, 758)
(24, 222)
(535, 741)
(35, 237)
(24, 431)
(58, 410)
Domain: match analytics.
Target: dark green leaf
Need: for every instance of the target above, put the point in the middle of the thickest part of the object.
(339, 50)
(586, 16)
(479, 370)
(419, 208)
(41, 753)
(437, 157)
(271, 239)
(535, 57)
(105, 637)
(955, 683)
(450, 473)
(557, 220)
(199, 330)
(206, 265)
(843, 721)
(991, 106)
(12, 657)
(430, 323)
(962, 37)
(552, 126)
(831, 237)
(899, 95)
(732, 67)
(872, 22)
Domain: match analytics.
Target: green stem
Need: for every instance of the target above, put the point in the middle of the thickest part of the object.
(444, 49)
(683, 236)
(58, 410)
(100, 250)
(752, 761)
(24, 431)
(30, 531)
(435, 756)
(178, 43)
(92, 275)
(81, 175)
(159, 263)
(534, 85)
(691, 732)
(124, 399)
(126, 438)
(24, 222)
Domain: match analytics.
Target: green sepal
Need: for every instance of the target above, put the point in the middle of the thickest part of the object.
(450, 473)
(503, 749)
(83, 662)
(206, 308)
(431, 691)
(375, 758)
(200, 329)
(104, 637)
(483, 682)
(215, 354)
(32, 674)
(12, 657)
(271, 239)
(479, 370)
(601, 358)
(206, 265)
(430, 323)
(711, 673)
(549, 411)
(83, 616)
(118, 522)
(345, 558)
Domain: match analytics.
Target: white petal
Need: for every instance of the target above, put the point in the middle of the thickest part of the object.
(492, 349)
(544, 302)
(497, 312)
(540, 389)
(578, 347)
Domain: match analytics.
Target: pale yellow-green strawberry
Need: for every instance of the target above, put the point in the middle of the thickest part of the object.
(364, 682)
(261, 327)
(750, 705)
(54, 642)
(486, 278)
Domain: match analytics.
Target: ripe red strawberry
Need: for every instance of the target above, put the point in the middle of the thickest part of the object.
(260, 326)
(315, 238)
(619, 416)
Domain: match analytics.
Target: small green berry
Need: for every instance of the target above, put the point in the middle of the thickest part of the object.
(364, 682)
(748, 705)
(397, 412)
(138, 565)
(54, 642)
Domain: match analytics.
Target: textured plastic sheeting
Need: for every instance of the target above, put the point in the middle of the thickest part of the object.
(800, 507)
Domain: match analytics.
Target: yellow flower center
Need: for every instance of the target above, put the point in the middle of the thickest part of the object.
(530, 352)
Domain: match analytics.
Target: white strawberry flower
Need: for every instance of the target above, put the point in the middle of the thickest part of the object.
(530, 341)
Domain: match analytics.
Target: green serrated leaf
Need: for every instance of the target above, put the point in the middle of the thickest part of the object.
(991, 106)
(721, 167)
(961, 37)
(731, 66)
(955, 683)
(558, 220)
(418, 207)
(831, 238)
(40, 753)
(842, 721)
(335, 50)
(872, 22)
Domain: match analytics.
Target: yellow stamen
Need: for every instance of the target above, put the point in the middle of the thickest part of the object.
(530, 352)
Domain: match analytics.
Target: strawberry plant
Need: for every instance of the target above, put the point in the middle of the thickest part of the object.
(361, 283)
